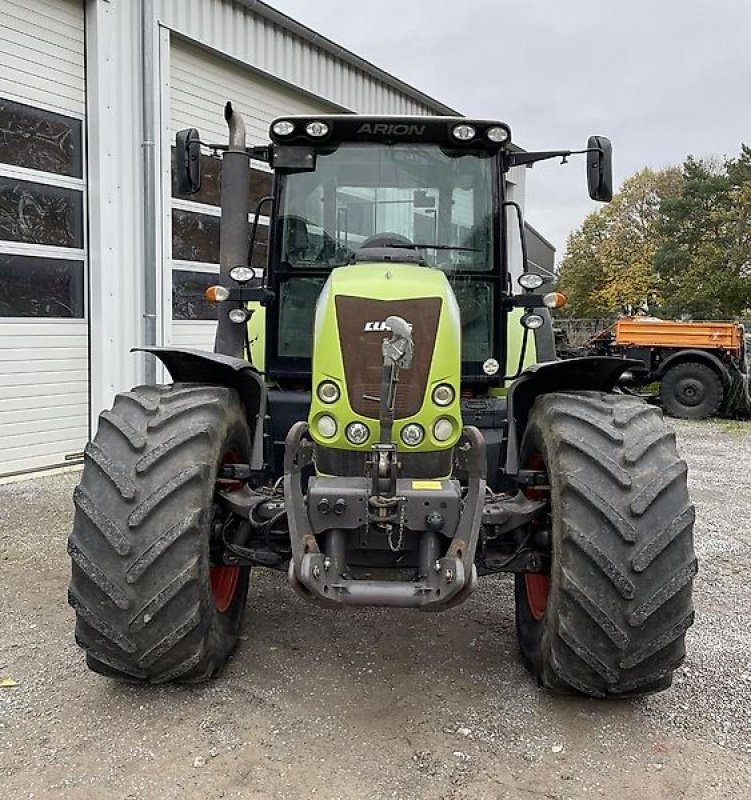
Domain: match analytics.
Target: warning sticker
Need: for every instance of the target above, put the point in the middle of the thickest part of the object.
(423, 485)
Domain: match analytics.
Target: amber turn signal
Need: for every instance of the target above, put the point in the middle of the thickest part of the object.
(555, 300)
(217, 294)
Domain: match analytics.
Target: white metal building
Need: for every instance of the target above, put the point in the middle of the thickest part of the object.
(96, 254)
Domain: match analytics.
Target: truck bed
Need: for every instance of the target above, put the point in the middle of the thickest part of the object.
(649, 332)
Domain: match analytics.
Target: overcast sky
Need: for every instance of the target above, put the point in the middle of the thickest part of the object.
(661, 78)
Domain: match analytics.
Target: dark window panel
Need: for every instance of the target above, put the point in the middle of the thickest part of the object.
(195, 237)
(36, 139)
(188, 295)
(41, 287)
(211, 183)
(39, 214)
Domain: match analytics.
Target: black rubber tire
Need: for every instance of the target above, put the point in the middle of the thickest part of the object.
(623, 563)
(691, 391)
(140, 546)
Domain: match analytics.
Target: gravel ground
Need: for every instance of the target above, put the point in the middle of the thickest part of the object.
(375, 704)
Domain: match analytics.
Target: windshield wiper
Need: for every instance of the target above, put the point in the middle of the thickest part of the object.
(431, 247)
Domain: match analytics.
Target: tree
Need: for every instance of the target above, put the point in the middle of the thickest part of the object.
(609, 266)
(704, 258)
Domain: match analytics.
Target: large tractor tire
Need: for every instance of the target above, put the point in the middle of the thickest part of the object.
(150, 604)
(610, 619)
(691, 391)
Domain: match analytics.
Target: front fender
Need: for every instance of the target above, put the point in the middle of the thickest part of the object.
(590, 373)
(202, 366)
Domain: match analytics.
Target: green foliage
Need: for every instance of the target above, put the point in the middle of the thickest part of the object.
(675, 243)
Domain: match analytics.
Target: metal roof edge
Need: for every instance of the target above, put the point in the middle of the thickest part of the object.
(309, 35)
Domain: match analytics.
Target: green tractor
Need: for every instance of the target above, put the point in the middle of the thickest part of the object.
(383, 418)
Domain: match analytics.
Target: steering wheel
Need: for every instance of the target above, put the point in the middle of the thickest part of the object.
(387, 239)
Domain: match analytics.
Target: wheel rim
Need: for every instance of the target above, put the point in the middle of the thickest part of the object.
(690, 392)
(537, 586)
(223, 580)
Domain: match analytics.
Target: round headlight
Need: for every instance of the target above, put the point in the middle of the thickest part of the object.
(242, 274)
(463, 132)
(413, 434)
(238, 315)
(490, 366)
(328, 392)
(317, 129)
(443, 429)
(443, 395)
(531, 280)
(357, 433)
(497, 134)
(283, 128)
(326, 426)
(533, 321)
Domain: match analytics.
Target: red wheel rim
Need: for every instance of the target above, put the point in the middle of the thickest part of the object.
(538, 589)
(224, 580)
(537, 586)
(223, 586)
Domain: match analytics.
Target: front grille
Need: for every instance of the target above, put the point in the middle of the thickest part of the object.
(363, 358)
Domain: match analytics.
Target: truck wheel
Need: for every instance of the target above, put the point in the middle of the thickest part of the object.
(691, 391)
(610, 618)
(150, 603)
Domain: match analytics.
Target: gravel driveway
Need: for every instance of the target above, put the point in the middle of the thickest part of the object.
(375, 704)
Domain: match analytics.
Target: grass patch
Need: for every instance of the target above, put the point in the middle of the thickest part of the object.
(736, 426)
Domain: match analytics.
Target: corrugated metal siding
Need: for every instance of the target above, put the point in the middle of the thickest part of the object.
(201, 83)
(198, 334)
(42, 46)
(229, 27)
(44, 388)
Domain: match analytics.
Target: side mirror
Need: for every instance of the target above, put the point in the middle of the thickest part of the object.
(600, 168)
(188, 161)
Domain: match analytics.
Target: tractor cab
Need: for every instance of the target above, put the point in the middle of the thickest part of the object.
(383, 190)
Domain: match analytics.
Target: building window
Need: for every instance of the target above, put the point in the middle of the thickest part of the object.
(42, 222)
(40, 140)
(39, 214)
(41, 287)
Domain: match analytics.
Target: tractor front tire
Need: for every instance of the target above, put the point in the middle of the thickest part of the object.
(691, 391)
(610, 619)
(150, 604)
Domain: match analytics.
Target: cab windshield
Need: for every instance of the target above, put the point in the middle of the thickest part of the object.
(432, 200)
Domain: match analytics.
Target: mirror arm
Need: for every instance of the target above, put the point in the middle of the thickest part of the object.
(519, 159)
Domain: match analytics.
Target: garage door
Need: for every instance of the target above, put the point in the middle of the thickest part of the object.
(200, 85)
(43, 315)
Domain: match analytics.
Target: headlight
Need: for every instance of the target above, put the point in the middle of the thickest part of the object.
(357, 433)
(412, 434)
(531, 280)
(443, 395)
(242, 274)
(283, 128)
(328, 392)
(533, 321)
(463, 132)
(326, 426)
(498, 134)
(317, 129)
(239, 315)
(443, 429)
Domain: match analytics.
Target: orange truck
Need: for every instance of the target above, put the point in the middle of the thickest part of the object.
(701, 366)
